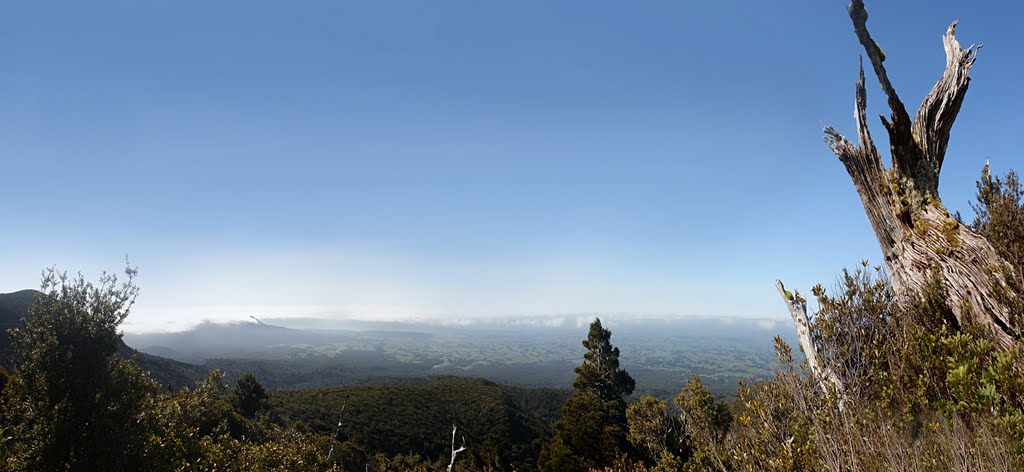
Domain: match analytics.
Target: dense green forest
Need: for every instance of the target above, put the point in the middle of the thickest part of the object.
(504, 424)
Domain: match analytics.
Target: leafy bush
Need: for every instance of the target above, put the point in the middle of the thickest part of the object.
(71, 402)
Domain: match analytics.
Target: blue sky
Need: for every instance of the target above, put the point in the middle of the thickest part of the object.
(462, 158)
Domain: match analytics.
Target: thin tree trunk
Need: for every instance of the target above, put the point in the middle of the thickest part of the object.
(797, 306)
(921, 242)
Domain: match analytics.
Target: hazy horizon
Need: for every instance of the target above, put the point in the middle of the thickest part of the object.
(346, 321)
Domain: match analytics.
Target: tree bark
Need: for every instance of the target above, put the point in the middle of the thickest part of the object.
(920, 241)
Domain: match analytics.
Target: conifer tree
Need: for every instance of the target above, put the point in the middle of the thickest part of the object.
(250, 396)
(592, 433)
(600, 372)
(1000, 215)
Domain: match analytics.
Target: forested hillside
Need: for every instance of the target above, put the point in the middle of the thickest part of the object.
(504, 425)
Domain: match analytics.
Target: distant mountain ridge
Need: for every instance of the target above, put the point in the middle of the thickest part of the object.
(170, 373)
(241, 340)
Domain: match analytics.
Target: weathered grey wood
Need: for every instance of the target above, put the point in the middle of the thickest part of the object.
(340, 417)
(920, 240)
(797, 307)
(455, 452)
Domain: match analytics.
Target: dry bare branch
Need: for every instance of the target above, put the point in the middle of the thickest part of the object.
(456, 452)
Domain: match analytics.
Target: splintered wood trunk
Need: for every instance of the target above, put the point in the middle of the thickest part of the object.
(921, 242)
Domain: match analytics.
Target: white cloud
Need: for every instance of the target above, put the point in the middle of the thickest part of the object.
(766, 325)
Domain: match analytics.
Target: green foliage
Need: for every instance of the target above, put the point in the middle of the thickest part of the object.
(172, 375)
(284, 451)
(918, 392)
(4, 446)
(72, 402)
(852, 328)
(792, 423)
(950, 232)
(249, 397)
(182, 421)
(706, 422)
(593, 431)
(985, 381)
(773, 430)
(658, 439)
(653, 431)
(404, 462)
(999, 215)
(501, 424)
(600, 371)
(580, 436)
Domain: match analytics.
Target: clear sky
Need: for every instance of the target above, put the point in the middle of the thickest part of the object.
(463, 158)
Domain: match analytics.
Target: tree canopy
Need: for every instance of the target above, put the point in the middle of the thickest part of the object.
(600, 372)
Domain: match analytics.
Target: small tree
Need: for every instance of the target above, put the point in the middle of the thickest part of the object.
(72, 403)
(1000, 215)
(705, 422)
(654, 433)
(250, 397)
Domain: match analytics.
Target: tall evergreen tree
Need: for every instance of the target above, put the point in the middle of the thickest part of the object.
(600, 372)
(592, 433)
